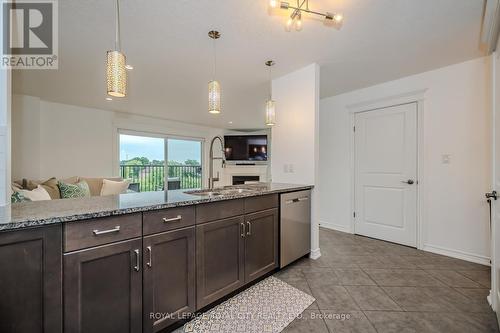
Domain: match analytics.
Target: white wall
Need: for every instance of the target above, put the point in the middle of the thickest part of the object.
(52, 139)
(294, 140)
(456, 121)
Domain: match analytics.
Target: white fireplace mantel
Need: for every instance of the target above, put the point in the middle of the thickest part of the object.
(243, 170)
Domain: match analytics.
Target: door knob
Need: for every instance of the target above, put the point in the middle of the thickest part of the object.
(492, 194)
(409, 181)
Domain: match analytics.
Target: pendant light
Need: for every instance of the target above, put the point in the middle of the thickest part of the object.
(116, 73)
(214, 89)
(270, 103)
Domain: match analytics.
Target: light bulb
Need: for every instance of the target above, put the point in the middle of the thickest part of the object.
(298, 24)
(338, 18)
(289, 24)
(273, 3)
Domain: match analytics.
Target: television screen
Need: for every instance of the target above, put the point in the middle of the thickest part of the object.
(245, 147)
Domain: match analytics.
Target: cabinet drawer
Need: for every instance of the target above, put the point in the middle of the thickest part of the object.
(80, 235)
(255, 204)
(167, 219)
(219, 210)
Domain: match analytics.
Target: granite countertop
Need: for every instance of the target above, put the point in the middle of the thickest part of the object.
(36, 213)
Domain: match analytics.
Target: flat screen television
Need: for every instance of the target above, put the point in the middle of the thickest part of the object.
(245, 147)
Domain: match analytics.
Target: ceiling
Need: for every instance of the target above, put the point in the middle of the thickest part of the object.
(167, 43)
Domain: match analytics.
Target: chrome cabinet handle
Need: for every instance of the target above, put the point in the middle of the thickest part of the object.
(103, 232)
(409, 181)
(304, 199)
(173, 219)
(249, 232)
(150, 255)
(242, 229)
(137, 262)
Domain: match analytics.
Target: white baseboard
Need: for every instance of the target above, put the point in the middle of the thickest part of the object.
(315, 254)
(334, 226)
(475, 258)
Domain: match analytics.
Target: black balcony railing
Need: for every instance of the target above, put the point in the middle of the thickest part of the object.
(152, 177)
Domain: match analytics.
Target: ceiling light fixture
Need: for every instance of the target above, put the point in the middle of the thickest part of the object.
(214, 89)
(116, 74)
(270, 103)
(303, 7)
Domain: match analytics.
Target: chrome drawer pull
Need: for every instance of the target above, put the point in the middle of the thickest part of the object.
(249, 232)
(304, 199)
(173, 219)
(103, 232)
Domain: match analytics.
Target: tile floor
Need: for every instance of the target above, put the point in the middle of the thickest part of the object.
(366, 285)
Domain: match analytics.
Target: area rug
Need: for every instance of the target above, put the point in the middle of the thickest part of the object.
(268, 306)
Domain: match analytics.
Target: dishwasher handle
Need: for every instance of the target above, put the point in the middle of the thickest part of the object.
(294, 200)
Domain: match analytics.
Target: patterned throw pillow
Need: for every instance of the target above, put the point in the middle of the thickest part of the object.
(18, 197)
(78, 190)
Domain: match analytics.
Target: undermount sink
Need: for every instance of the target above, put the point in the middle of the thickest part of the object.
(219, 192)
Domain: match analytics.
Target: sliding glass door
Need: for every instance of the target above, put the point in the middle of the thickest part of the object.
(154, 163)
(184, 163)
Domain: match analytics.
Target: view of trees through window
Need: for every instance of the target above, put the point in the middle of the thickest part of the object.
(142, 160)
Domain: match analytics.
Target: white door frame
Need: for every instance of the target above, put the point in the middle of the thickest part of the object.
(381, 103)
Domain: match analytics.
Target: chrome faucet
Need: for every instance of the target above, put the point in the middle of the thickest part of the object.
(211, 178)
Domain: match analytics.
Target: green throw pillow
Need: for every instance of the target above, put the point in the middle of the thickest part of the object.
(78, 190)
(18, 197)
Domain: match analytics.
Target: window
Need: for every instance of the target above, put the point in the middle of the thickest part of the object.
(142, 160)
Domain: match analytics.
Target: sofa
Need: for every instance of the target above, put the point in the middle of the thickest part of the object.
(50, 185)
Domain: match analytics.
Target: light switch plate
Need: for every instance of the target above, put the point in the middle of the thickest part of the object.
(446, 158)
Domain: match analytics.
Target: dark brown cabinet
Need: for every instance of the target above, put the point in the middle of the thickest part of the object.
(233, 252)
(169, 278)
(103, 289)
(220, 247)
(31, 280)
(261, 243)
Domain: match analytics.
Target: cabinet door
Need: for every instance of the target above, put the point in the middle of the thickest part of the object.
(169, 278)
(103, 289)
(261, 243)
(220, 259)
(31, 280)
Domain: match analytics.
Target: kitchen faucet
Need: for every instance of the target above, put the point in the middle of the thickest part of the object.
(211, 178)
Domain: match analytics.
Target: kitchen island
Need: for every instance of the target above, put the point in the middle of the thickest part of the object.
(135, 262)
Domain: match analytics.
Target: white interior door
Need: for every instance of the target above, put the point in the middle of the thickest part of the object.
(495, 260)
(386, 174)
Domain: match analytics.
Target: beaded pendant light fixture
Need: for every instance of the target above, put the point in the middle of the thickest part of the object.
(214, 88)
(270, 103)
(116, 73)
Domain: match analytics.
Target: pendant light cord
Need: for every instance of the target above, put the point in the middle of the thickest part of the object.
(215, 60)
(118, 42)
(270, 84)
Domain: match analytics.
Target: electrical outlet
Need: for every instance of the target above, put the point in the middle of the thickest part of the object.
(291, 168)
(446, 158)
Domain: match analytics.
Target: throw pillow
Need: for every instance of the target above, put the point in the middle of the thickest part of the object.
(18, 197)
(50, 185)
(38, 194)
(78, 190)
(110, 187)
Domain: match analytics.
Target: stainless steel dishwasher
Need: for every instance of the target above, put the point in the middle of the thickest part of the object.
(295, 226)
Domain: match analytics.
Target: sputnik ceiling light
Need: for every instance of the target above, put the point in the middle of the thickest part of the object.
(116, 74)
(270, 103)
(302, 6)
(214, 89)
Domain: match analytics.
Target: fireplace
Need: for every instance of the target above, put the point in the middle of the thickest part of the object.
(240, 180)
